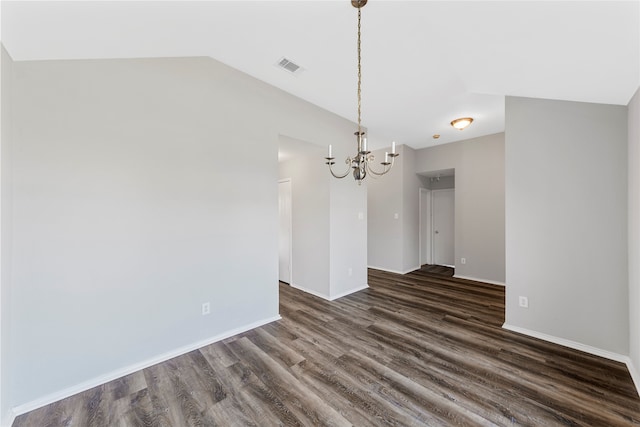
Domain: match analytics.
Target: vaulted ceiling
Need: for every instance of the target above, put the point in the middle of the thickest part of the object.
(425, 63)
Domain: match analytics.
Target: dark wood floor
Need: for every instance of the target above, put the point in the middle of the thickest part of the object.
(438, 270)
(417, 349)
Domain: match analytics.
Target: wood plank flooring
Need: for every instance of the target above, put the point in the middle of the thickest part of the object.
(412, 350)
(438, 270)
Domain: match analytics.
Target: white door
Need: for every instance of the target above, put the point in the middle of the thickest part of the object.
(425, 226)
(284, 238)
(443, 208)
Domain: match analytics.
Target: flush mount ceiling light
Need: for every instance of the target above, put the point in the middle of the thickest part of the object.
(461, 123)
(361, 162)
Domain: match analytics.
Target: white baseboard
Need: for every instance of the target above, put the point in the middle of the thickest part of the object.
(309, 291)
(352, 291)
(8, 419)
(583, 347)
(326, 297)
(571, 344)
(475, 279)
(94, 382)
(634, 375)
(373, 267)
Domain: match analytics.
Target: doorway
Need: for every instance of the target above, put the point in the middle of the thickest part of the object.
(284, 231)
(437, 219)
(425, 226)
(442, 221)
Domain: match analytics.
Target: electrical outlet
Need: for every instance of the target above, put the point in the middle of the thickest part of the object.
(360, 216)
(463, 260)
(523, 302)
(396, 216)
(206, 308)
(350, 271)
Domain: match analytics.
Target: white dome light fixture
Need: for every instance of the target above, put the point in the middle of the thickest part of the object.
(461, 123)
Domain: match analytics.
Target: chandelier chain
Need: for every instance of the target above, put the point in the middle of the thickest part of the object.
(359, 77)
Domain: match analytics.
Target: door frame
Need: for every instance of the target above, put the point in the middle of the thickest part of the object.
(281, 181)
(424, 216)
(441, 190)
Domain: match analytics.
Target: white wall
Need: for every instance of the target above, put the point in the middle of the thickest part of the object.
(348, 232)
(142, 188)
(479, 202)
(310, 221)
(329, 224)
(130, 213)
(634, 233)
(479, 216)
(393, 242)
(411, 185)
(5, 232)
(566, 229)
(384, 201)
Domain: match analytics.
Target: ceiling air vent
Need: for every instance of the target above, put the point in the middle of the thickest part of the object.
(289, 65)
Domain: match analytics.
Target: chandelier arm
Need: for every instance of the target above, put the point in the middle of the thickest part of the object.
(339, 176)
(373, 172)
(386, 169)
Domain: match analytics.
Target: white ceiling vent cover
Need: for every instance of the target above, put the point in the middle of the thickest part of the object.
(289, 66)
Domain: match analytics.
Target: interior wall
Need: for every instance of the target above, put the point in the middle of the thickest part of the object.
(567, 238)
(5, 232)
(348, 231)
(633, 117)
(384, 213)
(127, 219)
(411, 184)
(310, 222)
(141, 189)
(479, 202)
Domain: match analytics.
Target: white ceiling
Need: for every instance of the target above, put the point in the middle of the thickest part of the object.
(424, 62)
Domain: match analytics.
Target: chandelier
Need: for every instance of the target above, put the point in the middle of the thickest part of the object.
(361, 162)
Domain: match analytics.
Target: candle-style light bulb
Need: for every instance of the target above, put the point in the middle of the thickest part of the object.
(364, 144)
(393, 147)
(386, 157)
(329, 151)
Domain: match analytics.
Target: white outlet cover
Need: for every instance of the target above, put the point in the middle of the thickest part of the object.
(206, 308)
(523, 302)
